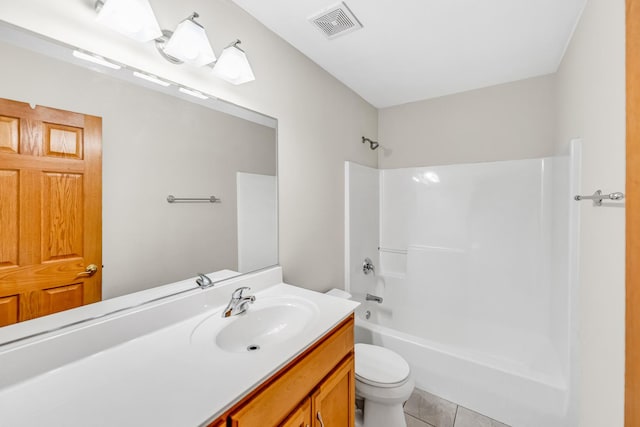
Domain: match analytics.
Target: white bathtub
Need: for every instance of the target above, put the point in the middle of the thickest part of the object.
(476, 264)
(510, 392)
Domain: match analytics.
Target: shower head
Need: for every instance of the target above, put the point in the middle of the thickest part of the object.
(374, 144)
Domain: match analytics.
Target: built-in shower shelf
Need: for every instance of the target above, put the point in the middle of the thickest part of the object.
(393, 275)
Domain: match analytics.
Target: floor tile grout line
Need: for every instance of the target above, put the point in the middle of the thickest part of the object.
(419, 419)
(455, 416)
(418, 416)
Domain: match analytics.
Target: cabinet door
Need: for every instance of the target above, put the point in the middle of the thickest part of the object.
(301, 417)
(333, 402)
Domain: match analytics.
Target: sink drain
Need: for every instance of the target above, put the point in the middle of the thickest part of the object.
(253, 347)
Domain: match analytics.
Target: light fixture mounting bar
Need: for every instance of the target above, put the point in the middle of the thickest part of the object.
(193, 17)
(161, 42)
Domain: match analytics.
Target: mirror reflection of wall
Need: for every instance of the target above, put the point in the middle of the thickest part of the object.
(257, 221)
(155, 145)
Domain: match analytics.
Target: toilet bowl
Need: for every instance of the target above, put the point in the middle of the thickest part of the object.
(383, 380)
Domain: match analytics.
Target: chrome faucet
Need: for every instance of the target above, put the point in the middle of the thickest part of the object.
(203, 281)
(367, 266)
(238, 303)
(374, 298)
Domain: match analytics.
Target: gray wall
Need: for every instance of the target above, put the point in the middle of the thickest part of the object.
(591, 106)
(506, 122)
(320, 121)
(538, 117)
(153, 145)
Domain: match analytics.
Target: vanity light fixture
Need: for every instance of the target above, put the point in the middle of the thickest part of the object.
(188, 43)
(96, 59)
(133, 18)
(151, 78)
(233, 65)
(192, 92)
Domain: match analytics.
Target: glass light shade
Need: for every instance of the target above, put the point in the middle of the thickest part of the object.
(189, 43)
(233, 66)
(133, 18)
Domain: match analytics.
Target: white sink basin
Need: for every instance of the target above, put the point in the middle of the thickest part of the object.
(267, 322)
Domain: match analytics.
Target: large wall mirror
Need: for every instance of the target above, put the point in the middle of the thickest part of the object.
(156, 142)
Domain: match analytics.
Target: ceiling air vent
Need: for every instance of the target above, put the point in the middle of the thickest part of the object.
(336, 21)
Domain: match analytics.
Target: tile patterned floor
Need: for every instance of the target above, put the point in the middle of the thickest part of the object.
(427, 410)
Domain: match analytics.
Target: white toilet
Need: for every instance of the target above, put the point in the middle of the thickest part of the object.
(383, 380)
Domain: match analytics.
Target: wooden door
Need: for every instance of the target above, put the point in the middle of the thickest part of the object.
(50, 210)
(632, 379)
(301, 417)
(333, 403)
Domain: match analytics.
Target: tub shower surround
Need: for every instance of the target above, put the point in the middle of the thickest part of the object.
(472, 263)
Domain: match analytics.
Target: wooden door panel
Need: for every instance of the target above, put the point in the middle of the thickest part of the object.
(62, 225)
(9, 134)
(63, 141)
(334, 400)
(30, 137)
(61, 298)
(50, 209)
(9, 244)
(9, 310)
(301, 417)
(40, 302)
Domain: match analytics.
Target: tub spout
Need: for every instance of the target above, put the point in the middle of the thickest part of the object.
(374, 298)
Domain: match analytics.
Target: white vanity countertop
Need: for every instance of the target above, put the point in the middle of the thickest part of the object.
(60, 319)
(162, 378)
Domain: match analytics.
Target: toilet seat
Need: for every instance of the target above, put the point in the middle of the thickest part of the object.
(380, 367)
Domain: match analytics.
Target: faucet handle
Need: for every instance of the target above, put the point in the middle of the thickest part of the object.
(203, 280)
(368, 267)
(237, 294)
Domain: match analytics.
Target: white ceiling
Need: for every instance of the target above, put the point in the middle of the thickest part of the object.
(411, 50)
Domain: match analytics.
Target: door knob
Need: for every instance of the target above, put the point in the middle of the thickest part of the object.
(89, 271)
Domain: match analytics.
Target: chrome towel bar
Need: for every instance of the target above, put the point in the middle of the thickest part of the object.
(173, 199)
(598, 197)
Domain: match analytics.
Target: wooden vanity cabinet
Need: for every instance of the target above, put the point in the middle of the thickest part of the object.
(301, 417)
(317, 385)
(333, 402)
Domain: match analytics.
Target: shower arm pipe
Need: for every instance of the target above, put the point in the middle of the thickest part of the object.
(373, 144)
